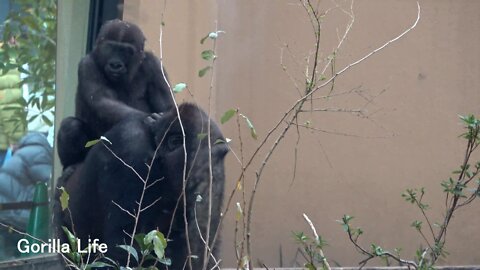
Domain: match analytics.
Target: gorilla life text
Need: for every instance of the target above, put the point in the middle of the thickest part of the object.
(56, 246)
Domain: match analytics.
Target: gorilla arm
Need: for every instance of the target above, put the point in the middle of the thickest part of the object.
(158, 91)
(98, 102)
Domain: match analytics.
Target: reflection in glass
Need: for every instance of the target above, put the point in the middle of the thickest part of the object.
(27, 104)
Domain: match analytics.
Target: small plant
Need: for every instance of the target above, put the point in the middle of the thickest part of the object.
(310, 250)
(151, 246)
(460, 190)
(149, 249)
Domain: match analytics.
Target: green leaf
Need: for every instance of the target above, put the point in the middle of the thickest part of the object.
(179, 87)
(91, 143)
(208, 55)
(300, 237)
(46, 120)
(64, 198)
(139, 239)
(239, 212)
(227, 116)
(23, 70)
(109, 260)
(219, 141)
(203, 71)
(165, 261)
(253, 132)
(159, 242)
(347, 218)
(377, 250)
(130, 250)
(417, 225)
(310, 266)
(149, 257)
(201, 136)
(71, 238)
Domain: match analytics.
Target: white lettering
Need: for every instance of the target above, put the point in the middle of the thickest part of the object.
(102, 248)
(34, 248)
(56, 246)
(65, 248)
(19, 246)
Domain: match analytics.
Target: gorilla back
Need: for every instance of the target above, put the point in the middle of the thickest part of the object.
(104, 191)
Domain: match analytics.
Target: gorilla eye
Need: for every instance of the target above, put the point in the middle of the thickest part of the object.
(173, 142)
(130, 51)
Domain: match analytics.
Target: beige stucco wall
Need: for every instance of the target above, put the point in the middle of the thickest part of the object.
(409, 139)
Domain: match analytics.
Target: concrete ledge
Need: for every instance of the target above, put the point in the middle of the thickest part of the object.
(40, 262)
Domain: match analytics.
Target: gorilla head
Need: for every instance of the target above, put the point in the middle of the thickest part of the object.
(119, 50)
(104, 183)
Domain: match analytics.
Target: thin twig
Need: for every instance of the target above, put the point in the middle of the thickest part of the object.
(336, 110)
(317, 240)
(150, 205)
(210, 169)
(184, 180)
(124, 210)
(201, 236)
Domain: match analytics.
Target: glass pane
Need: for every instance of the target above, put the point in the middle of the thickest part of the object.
(27, 110)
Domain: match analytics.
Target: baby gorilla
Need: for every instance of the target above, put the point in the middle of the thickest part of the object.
(104, 183)
(118, 79)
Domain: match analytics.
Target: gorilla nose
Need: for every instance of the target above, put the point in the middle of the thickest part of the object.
(116, 65)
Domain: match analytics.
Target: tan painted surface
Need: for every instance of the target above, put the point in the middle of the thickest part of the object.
(418, 85)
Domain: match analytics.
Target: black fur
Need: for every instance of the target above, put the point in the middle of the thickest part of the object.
(115, 81)
(102, 179)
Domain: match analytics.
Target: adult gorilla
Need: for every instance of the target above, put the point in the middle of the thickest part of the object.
(104, 183)
(115, 81)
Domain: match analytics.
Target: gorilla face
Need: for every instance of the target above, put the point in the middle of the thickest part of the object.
(119, 50)
(167, 134)
(118, 61)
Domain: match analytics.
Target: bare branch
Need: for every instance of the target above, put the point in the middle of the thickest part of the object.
(153, 183)
(341, 110)
(148, 206)
(201, 236)
(124, 163)
(124, 210)
(184, 176)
